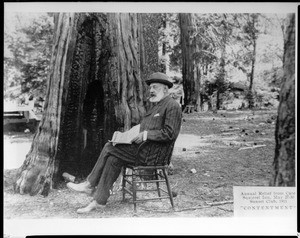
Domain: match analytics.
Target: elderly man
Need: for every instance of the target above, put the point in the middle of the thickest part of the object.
(160, 128)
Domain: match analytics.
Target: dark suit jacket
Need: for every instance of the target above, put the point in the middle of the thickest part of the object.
(162, 122)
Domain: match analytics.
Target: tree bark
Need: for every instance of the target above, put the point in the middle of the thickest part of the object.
(253, 36)
(284, 160)
(221, 73)
(107, 48)
(163, 61)
(35, 175)
(253, 60)
(190, 73)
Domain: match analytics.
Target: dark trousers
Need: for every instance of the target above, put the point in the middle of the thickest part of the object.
(108, 167)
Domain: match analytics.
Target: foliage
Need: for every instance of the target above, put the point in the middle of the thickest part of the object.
(218, 84)
(251, 46)
(175, 58)
(169, 41)
(228, 37)
(28, 45)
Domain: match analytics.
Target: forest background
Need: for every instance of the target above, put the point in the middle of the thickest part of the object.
(253, 65)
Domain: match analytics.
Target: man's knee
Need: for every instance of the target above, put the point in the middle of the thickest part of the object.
(107, 147)
(107, 144)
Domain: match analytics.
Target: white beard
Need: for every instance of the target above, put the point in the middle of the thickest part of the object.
(157, 98)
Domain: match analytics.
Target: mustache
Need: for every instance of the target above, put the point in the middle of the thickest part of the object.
(151, 96)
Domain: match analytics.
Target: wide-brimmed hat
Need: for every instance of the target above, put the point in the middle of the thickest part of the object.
(159, 78)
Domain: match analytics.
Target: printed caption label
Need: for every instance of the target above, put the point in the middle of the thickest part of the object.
(264, 201)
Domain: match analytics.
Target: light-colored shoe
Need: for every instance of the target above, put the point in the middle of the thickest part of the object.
(92, 206)
(84, 187)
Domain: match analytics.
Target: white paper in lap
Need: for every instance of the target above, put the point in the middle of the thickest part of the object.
(125, 137)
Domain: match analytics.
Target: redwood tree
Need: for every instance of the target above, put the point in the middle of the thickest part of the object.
(87, 47)
(190, 69)
(284, 160)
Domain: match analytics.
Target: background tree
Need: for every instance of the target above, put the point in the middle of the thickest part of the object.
(284, 160)
(251, 25)
(190, 71)
(222, 44)
(219, 31)
(27, 53)
(168, 39)
(87, 47)
(252, 33)
(163, 43)
(209, 41)
(174, 50)
(271, 54)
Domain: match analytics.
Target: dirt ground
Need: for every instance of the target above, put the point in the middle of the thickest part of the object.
(211, 155)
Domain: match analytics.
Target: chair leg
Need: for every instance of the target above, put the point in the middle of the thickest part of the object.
(134, 189)
(157, 183)
(123, 182)
(168, 187)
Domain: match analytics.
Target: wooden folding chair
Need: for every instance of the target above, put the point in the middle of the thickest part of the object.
(155, 174)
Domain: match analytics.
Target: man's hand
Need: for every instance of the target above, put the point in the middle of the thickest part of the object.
(138, 139)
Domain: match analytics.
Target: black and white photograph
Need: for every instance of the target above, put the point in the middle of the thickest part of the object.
(149, 118)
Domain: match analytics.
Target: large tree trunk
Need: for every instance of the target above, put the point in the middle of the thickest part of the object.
(35, 175)
(89, 47)
(284, 160)
(190, 72)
